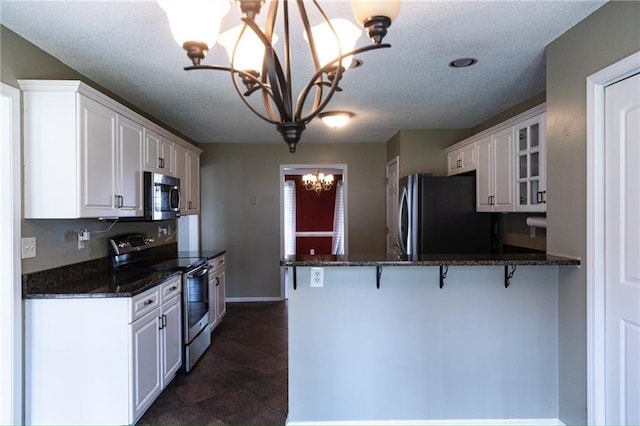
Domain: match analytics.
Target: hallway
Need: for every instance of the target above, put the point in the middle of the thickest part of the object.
(241, 378)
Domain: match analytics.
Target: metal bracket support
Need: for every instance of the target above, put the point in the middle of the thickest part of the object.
(444, 269)
(508, 275)
(295, 278)
(378, 275)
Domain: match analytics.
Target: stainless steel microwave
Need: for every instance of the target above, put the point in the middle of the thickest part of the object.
(161, 196)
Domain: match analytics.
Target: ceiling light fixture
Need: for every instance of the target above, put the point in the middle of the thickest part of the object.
(335, 119)
(317, 182)
(195, 25)
(463, 62)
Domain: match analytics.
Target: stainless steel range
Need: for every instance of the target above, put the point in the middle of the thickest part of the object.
(132, 254)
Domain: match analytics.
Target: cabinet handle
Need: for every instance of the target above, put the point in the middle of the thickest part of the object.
(161, 325)
(217, 281)
(148, 302)
(459, 163)
(173, 288)
(189, 204)
(161, 162)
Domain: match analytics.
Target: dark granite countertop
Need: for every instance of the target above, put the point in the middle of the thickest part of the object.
(531, 259)
(99, 285)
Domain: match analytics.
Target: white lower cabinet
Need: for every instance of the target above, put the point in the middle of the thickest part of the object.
(100, 360)
(217, 292)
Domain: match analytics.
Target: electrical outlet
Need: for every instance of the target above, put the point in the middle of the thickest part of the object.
(317, 277)
(28, 247)
(532, 231)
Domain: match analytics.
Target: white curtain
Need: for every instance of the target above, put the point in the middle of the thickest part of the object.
(337, 247)
(289, 218)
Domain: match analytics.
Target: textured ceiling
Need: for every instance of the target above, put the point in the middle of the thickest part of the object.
(127, 47)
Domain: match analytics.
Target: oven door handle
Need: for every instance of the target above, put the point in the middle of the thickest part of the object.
(198, 273)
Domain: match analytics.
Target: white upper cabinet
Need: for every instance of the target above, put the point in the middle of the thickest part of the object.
(461, 160)
(129, 173)
(494, 177)
(84, 153)
(510, 163)
(187, 169)
(531, 182)
(158, 153)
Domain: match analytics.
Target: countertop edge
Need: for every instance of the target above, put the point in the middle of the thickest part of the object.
(440, 261)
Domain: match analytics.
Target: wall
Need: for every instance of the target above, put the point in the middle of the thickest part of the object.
(422, 150)
(608, 35)
(56, 240)
(412, 353)
(241, 205)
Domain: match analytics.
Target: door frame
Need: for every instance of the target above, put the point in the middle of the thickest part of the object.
(345, 182)
(11, 334)
(596, 321)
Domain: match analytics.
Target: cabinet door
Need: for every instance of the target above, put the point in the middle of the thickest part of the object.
(166, 155)
(181, 172)
(194, 182)
(130, 166)
(221, 302)
(158, 153)
(146, 361)
(468, 158)
(453, 163)
(213, 296)
(503, 167)
(484, 175)
(172, 339)
(531, 165)
(98, 152)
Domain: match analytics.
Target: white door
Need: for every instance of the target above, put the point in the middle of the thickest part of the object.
(392, 205)
(622, 259)
(172, 339)
(129, 163)
(484, 175)
(503, 166)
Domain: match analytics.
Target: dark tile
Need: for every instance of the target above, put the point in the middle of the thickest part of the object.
(240, 379)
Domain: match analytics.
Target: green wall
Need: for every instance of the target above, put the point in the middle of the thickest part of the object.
(232, 175)
(608, 35)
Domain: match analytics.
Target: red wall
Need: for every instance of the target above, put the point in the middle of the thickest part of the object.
(314, 213)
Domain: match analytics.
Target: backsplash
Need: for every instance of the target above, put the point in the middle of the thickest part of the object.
(57, 240)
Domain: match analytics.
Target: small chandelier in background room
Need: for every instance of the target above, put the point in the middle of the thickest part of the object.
(256, 67)
(317, 182)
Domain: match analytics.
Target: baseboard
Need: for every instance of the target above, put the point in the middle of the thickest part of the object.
(252, 299)
(443, 422)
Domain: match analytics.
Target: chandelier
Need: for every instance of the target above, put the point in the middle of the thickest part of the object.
(317, 182)
(255, 66)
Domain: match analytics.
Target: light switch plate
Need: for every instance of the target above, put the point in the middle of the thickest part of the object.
(28, 247)
(317, 277)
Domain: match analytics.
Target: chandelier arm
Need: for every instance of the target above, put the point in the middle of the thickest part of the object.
(314, 52)
(305, 91)
(270, 23)
(274, 73)
(264, 87)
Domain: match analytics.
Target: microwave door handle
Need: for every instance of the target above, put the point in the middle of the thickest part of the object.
(176, 188)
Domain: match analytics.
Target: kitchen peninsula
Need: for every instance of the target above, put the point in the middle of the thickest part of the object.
(437, 337)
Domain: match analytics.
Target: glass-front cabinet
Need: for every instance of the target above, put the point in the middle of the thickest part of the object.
(531, 185)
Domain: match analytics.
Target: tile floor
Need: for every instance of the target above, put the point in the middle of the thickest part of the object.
(240, 380)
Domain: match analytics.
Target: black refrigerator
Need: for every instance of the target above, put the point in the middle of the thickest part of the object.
(438, 215)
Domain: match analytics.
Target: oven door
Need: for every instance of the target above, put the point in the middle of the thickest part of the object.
(196, 302)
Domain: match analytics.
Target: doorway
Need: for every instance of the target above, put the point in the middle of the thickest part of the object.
(325, 235)
(613, 274)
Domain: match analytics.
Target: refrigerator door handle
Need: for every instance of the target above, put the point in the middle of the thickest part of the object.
(402, 232)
